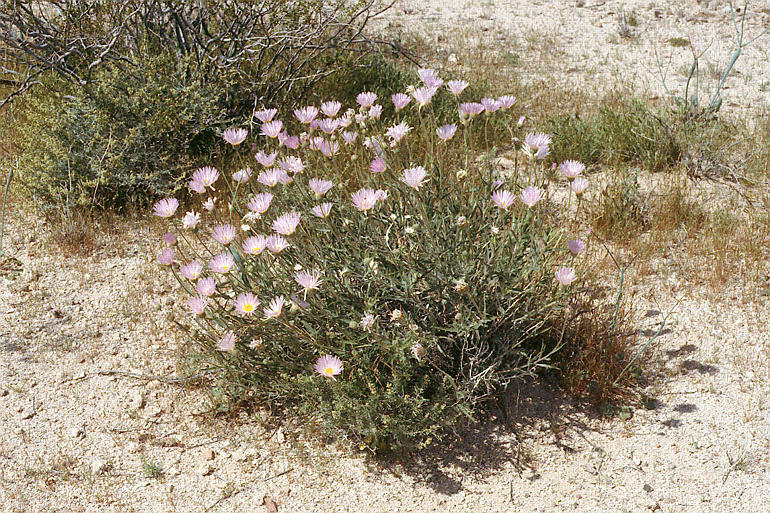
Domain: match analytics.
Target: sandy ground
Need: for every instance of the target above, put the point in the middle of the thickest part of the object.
(79, 433)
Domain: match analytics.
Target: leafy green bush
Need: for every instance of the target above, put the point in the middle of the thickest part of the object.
(422, 287)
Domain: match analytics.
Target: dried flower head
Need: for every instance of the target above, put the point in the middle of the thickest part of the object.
(367, 322)
(418, 351)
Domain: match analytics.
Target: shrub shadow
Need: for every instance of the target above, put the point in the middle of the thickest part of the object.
(498, 441)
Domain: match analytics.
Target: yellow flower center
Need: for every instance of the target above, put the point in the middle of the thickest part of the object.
(329, 371)
(226, 268)
(248, 307)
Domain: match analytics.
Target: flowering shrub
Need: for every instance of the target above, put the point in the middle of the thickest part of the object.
(375, 275)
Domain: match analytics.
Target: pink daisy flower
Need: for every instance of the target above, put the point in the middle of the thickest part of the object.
(506, 102)
(328, 126)
(210, 204)
(328, 366)
(330, 109)
(205, 176)
(206, 286)
(169, 239)
(537, 145)
(531, 195)
(398, 132)
(503, 198)
(290, 141)
(572, 168)
(365, 199)
(423, 96)
(349, 136)
(242, 175)
(579, 185)
(414, 177)
(469, 110)
(400, 100)
(255, 245)
(266, 115)
(366, 99)
(276, 244)
(446, 132)
(287, 223)
(197, 186)
(222, 263)
(245, 304)
(272, 128)
(227, 342)
(375, 111)
(320, 187)
(456, 87)
(577, 246)
(192, 270)
(266, 160)
(346, 120)
(367, 322)
(260, 202)
(490, 104)
(235, 136)
(224, 234)
(166, 257)
(306, 114)
(165, 207)
(291, 164)
(430, 78)
(268, 177)
(197, 305)
(565, 275)
(330, 148)
(322, 210)
(377, 165)
(274, 308)
(308, 280)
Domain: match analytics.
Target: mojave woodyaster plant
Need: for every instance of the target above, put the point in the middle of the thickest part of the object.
(376, 277)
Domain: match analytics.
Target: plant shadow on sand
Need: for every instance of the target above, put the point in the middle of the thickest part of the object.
(501, 440)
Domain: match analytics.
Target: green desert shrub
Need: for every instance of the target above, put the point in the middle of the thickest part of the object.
(376, 278)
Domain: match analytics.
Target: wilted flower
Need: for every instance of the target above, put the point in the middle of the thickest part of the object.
(242, 175)
(531, 195)
(506, 102)
(490, 104)
(205, 176)
(366, 99)
(306, 114)
(349, 137)
(227, 342)
(192, 270)
(322, 210)
(166, 207)
(328, 366)
(367, 322)
(579, 185)
(377, 165)
(235, 136)
(331, 108)
(246, 303)
(400, 100)
(256, 343)
(395, 315)
(461, 174)
(365, 199)
(456, 87)
(260, 202)
(268, 177)
(308, 280)
(503, 198)
(460, 285)
(397, 132)
(266, 160)
(418, 351)
(197, 305)
(210, 204)
(537, 145)
(275, 307)
(565, 275)
(287, 223)
(414, 177)
(446, 132)
(577, 246)
(572, 168)
(272, 128)
(423, 96)
(461, 220)
(266, 115)
(255, 244)
(222, 263)
(206, 286)
(166, 257)
(276, 244)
